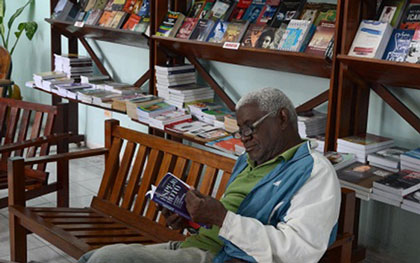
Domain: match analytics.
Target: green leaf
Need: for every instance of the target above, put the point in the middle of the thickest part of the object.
(21, 26)
(30, 29)
(2, 8)
(19, 33)
(17, 13)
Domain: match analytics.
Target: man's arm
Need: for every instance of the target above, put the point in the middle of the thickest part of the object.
(305, 232)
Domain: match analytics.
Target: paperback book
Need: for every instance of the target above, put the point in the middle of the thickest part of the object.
(296, 34)
(322, 37)
(287, 10)
(398, 45)
(401, 183)
(252, 35)
(389, 157)
(187, 28)
(391, 11)
(235, 31)
(170, 24)
(219, 30)
(413, 53)
(411, 17)
(202, 30)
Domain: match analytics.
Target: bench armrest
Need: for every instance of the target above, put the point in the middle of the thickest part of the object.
(34, 142)
(65, 156)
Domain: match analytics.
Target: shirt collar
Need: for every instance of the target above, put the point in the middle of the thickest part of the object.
(286, 156)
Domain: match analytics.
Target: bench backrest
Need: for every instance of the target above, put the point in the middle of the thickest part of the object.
(15, 125)
(145, 160)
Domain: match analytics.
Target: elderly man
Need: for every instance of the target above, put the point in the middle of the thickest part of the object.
(281, 203)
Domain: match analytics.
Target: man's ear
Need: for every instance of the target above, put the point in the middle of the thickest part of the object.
(283, 114)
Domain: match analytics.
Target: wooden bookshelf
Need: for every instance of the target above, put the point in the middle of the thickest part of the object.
(295, 62)
(118, 36)
(384, 72)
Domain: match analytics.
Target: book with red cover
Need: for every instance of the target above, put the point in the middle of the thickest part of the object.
(132, 21)
(226, 144)
(321, 38)
(187, 28)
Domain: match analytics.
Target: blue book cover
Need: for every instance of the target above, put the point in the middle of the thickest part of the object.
(253, 12)
(219, 30)
(144, 9)
(398, 45)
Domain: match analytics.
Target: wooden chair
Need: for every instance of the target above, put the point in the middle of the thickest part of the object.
(19, 138)
(120, 212)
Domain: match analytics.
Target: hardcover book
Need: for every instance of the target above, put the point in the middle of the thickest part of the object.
(170, 24)
(219, 30)
(401, 183)
(391, 11)
(398, 45)
(321, 39)
(252, 35)
(413, 53)
(411, 17)
(187, 28)
(371, 39)
(235, 31)
(202, 30)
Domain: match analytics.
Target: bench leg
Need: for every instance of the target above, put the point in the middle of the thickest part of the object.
(17, 240)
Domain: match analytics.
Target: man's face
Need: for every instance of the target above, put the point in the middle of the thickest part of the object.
(266, 140)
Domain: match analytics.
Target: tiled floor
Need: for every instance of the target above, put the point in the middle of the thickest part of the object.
(85, 176)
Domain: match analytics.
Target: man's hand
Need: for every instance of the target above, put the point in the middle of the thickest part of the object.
(173, 220)
(205, 209)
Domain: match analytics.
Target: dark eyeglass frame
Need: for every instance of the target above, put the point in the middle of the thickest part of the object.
(250, 130)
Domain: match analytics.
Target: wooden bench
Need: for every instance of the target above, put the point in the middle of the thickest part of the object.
(120, 212)
(26, 130)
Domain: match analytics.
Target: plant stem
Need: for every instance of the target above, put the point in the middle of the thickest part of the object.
(13, 48)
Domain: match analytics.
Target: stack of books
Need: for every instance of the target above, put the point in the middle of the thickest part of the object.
(411, 202)
(144, 113)
(411, 160)
(169, 117)
(312, 124)
(133, 104)
(73, 65)
(210, 116)
(360, 178)
(183, 95)
(173, 76)
(362, 145)
(51, 77)
(394, 187)
(70, 90)
(388, 158)
(340, 160)
(228, 144)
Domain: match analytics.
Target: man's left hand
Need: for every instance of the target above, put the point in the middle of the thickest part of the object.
(205, 209)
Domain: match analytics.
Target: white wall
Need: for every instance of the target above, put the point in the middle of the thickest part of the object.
(389, 230)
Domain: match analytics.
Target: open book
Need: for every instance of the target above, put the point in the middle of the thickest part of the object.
(170, 194)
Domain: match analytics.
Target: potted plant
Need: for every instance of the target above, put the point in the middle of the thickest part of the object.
(6, 27)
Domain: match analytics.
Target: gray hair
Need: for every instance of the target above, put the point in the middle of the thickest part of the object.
(270, 99)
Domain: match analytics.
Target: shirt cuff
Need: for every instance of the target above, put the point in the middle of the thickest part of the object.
(227, 224)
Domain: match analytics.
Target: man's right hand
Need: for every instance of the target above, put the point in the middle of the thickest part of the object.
(173, 220)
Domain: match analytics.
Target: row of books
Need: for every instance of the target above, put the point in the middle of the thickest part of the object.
(394, 36)
(132, 15)
(263, 12)
(297, 35)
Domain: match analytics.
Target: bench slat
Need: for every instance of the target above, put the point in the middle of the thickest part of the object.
(104, 233)
(208, 180)
(134, 179)
(111, 166)
(109, 226)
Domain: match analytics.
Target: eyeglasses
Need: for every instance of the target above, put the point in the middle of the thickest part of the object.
(249, 130)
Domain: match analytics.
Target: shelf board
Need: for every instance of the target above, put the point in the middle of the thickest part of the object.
(119, 36)
(396, 74)
(294, 62)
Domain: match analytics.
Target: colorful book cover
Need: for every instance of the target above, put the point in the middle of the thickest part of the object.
(132, 21)
(361, 175)
(129, 6)
(278, 35)
(322, 37)
(295, 35)
(219, 30)
(170, 24)
(391, 11)
(196, 8)
(106, 18)
(118, 19)
(94, 17)
(398, 45)
(267, 14)
(143, 25)
(413, 54)
(144, 9)
(226, 144)
(401, 183)
(202, 30)
(170, 194)
(266, 38)
(253, 12)
(411, 17)
(252, 35)
(235, 31)
(187, 28)
(100, 4)
(237, 13)
(327, 15)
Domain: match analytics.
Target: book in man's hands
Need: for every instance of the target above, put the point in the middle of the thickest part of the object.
(170, 194)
